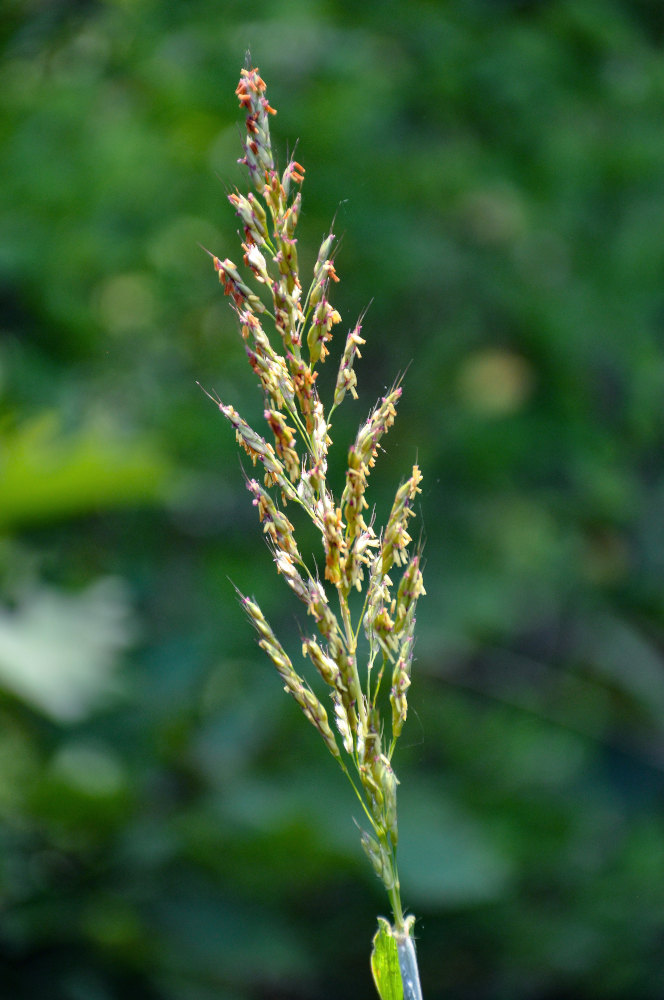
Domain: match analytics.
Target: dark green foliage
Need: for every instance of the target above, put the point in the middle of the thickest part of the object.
(168, 828)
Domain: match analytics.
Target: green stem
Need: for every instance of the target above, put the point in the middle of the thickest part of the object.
(394, 891)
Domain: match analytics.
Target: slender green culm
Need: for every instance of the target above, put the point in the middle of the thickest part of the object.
(368, 681)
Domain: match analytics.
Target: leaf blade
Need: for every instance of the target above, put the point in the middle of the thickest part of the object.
(385, 963)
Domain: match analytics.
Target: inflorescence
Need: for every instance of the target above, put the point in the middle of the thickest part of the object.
(293, 451)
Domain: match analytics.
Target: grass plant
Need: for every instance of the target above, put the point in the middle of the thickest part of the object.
(363, 650)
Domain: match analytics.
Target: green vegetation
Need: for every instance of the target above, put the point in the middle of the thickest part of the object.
(497, 174)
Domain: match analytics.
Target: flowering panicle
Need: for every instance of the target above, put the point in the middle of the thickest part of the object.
(295, 467)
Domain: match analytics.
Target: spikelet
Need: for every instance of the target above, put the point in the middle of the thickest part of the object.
(275, 523)
(411, 587)
(346, 377)
(323, 663)
(255, 446)
(401, 680)
(234, 286)
(284, 439)
(396, 534)
(252, 214)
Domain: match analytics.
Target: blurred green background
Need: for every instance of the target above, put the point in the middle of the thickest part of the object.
(170, 828)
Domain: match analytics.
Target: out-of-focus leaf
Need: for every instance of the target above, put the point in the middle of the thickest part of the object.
(46, 475)
(445, 856)
(58, 652)
(619, 655)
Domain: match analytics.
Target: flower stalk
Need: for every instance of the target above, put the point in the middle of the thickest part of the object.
(354, 658)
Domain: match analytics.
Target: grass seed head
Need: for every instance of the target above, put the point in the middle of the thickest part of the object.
(297, 466)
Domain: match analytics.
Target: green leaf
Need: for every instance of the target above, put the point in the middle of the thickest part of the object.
(385, 963)
(48, 474)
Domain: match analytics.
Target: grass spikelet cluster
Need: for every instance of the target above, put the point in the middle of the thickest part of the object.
(267, 294)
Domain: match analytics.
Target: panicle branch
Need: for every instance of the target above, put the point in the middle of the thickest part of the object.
(293, 683)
